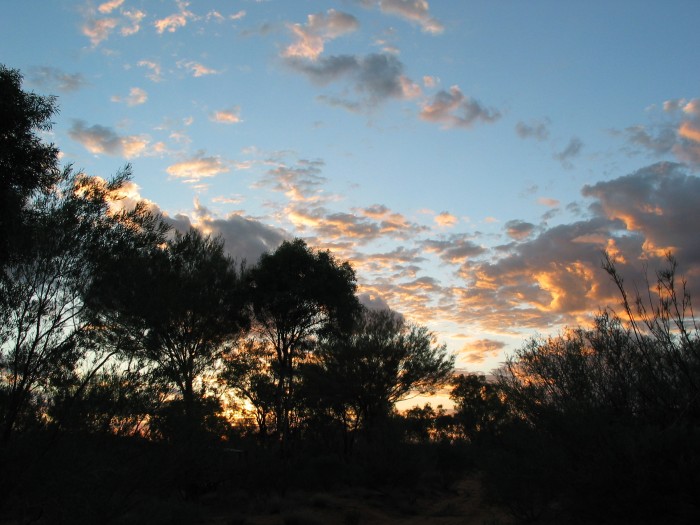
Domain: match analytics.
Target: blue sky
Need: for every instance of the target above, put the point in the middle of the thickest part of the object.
(471, 159)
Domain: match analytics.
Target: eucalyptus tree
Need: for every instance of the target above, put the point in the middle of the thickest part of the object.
(361, 376)
(179, 304)
(47, 330)
(298, 294)
(27, 165)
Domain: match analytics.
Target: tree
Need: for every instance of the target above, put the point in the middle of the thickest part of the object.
(384, 360)
(179, 304)
(480, 406)
(602, 412)
(298, 294)
(46, 332)
(27, 165)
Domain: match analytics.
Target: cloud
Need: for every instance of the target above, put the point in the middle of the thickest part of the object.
(99, 30)
(300, 183)
(245, 239)
(537, 130)
(361, 227)
(136, 97)
(98, 27)
(199, 167)
(455, 249)
(679, 136)
(110, 6)
(445, 220)
(156, 72)
(104, 140)
(480, 350)
(414, 11)
(519, 230)
(319, 28)
(453, 109)
(571, 151)
(174, 21)
(374, 78)
(196, 69)
(659, 202)
(51, 78)
(554, 278)
(134, 18)
(227, 116)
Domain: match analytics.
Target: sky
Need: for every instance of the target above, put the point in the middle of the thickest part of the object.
(471, 159)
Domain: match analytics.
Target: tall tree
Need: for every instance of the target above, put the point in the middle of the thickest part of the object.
(298, 294)
(45, 322)
(179, 304)
(384, 360)
(27, 164)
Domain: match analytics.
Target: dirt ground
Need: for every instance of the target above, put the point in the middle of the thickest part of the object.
(462, 505)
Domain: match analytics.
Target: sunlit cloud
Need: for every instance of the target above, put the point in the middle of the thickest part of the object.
(227, 116)
(480, 350)
(300, 183)
(319, 28)
(135, 17)
(414, 11)
(51, 78)
(446, 220)
(548, 201)
(104, 140)
(156, 73)
(454, 110)
(174, 21)
(108, 7)
(136, 97)
(196, 69)
(99, 30)
(199, 167)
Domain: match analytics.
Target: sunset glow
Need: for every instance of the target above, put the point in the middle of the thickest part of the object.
(472, 161)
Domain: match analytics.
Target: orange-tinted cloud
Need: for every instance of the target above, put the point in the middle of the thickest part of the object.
(453, 109)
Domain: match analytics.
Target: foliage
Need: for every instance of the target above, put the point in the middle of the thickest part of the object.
(607, 417)
(27, 165)
(297, 295)
(179, 304)
(361, 376)
(46, 331)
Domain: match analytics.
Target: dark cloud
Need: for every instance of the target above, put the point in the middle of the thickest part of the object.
(454, 109)
(245, 239)
(51, 78)
(519, 230)
(374, 78)
(659, 144)
(455, 249)
(571, 151)
(660, 202)
(536, 130)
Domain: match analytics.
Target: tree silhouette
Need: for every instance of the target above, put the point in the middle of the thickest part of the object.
(46, 329)
(384, 360)
(298, 294)
(179, 304)
(27, 165)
